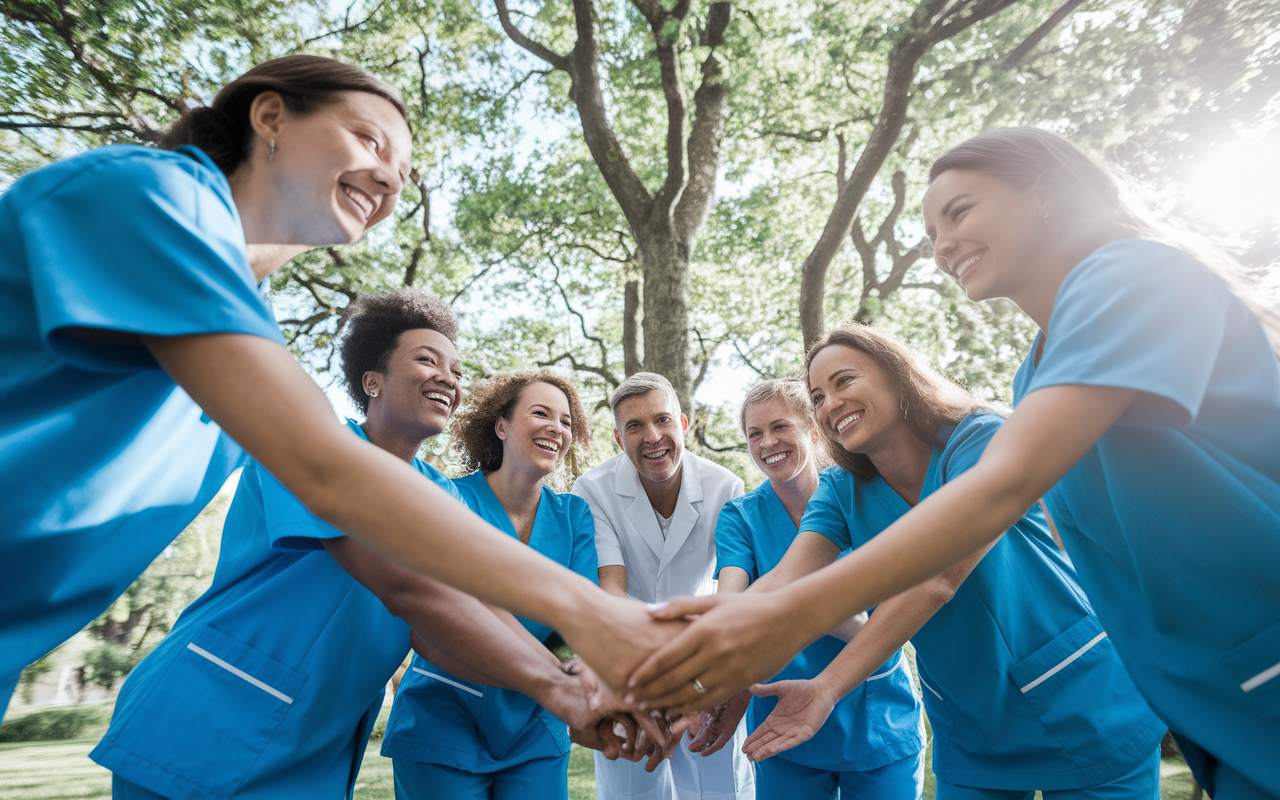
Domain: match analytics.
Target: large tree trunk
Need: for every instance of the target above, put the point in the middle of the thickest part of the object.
(666, 309)
(632, 339)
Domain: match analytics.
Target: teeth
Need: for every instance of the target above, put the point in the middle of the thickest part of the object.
(657, 455)
(547, 444)
(775, 458)
(964, 266)
(847, 421)
(441, 396)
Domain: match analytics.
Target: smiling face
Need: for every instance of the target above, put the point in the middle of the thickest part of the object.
(651, 432)
(539, 431)
(987, 234)
(780, 439)
(858, 404)
(336, 171)
(420, 387)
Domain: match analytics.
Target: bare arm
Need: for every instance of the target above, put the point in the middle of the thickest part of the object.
(613, 579)
(809, 552)
(259, 395)
(740, 639)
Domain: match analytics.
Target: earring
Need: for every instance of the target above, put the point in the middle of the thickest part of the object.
(903, 405)
(271, 156)
(374, 393)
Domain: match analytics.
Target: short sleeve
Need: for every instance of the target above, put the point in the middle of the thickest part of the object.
(733, 542)
(582, 557)
(290, 526)
(1139, 315)
(608, 547)
(823, 514)
(967, 443)
(146, 242)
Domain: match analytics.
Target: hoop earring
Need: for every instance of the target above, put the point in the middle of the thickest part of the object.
(271, 156)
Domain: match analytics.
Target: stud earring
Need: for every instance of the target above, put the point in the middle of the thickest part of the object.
(374, 393)
(271, 154)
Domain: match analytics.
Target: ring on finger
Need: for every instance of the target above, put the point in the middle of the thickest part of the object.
(698, 687)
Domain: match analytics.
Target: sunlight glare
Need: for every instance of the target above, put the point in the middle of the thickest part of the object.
(1238, 186)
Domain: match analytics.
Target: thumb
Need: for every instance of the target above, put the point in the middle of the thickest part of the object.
(766, 689)
(680, 607)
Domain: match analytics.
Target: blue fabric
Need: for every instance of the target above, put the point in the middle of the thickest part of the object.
(536, 779)
(439, 718)
(103, 459)
(877, 723)
(778, 778)
(270, 682)
(1019, 615)
(1143, 783)
(1173, 518)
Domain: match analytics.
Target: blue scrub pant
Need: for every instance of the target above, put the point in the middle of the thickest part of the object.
(1142, 783)
(1220, 781)
(124, 790)
(780, 779)
(538, 779)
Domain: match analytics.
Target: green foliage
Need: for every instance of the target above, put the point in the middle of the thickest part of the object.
(57, 724)
(33, 673)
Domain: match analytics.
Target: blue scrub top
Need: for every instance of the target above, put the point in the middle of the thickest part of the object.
(1022, 686)
(439, 718)
(269, 684)
(103, 459)
(877, 723)
(1173, 518)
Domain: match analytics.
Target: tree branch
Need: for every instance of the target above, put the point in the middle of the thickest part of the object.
(709, 101)
(514, 34)
(1020, 53)
(347, 27)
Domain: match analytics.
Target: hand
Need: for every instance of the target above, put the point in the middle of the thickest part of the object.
(614, 634)
(719, 725)
(738, 640)
(803, 707)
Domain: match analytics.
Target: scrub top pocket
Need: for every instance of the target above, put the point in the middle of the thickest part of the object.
(239, 696)
(1082, 655)
(1255, 667)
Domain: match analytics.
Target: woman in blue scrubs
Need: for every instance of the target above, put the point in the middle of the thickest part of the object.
(870, 744)
(1147, 416)
(453, 738)
(1022, 688)
(140, 354)
(269, 684)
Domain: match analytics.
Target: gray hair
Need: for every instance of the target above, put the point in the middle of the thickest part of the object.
(638, 385)
(791, 391)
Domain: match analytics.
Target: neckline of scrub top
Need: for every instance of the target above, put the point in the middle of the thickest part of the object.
(776, 507)
(895, 502)
(508, 527)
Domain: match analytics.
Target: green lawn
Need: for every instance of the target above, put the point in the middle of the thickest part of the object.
(62, 771)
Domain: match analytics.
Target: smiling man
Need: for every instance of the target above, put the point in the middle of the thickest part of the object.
(655, 509)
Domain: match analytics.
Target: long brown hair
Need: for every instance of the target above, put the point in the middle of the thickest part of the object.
(306, 83)
(474, 444)
(1092, 205)
(930, 401)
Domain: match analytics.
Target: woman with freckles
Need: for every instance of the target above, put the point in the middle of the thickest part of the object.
(456, 733)
(869, 744)
(142, 362)
(1147, 417)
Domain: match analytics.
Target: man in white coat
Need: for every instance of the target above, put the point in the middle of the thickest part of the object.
(655, 509)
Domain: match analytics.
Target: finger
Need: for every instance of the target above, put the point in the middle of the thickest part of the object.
(680, 607)
(628, 732)
(656, 756)
(652, 729)
(766, 689)
(778, 745)
(718, 743)
(759, 738)
(655, 675)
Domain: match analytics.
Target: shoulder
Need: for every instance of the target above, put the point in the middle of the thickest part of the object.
(1140, 264)
(599, 476)
(453, 487)
(978, 425)
(835, 478)
(129, 173)
(565, 502)
(712, 474)
(744, 505)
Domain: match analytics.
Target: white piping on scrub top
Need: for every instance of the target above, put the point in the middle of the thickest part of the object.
(888, 671)
(1064, 662)
(931, 689)
(1261, 678)
(443, 679)
(239, 673)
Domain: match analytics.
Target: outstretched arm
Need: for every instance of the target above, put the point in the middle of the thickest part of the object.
(803, 706)
(257, 393)
(742, 639)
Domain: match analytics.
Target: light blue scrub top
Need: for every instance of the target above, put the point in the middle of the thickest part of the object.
(103, 459)
(1173, 518)
(269, 684)
(1022, 686)
(877, 723)
(439, 718)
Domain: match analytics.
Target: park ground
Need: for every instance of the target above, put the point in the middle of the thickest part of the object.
(61, 770)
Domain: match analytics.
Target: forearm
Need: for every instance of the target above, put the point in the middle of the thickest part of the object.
(848, 629)
(809, 551)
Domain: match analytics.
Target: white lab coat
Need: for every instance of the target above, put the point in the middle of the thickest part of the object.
(628, 534)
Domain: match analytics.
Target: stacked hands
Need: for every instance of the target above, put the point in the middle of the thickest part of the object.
(728, 642)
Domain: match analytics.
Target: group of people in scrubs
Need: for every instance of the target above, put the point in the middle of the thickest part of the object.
(1076, 576)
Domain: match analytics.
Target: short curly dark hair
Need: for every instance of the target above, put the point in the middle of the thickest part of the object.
(374, 324)
(472, 439)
